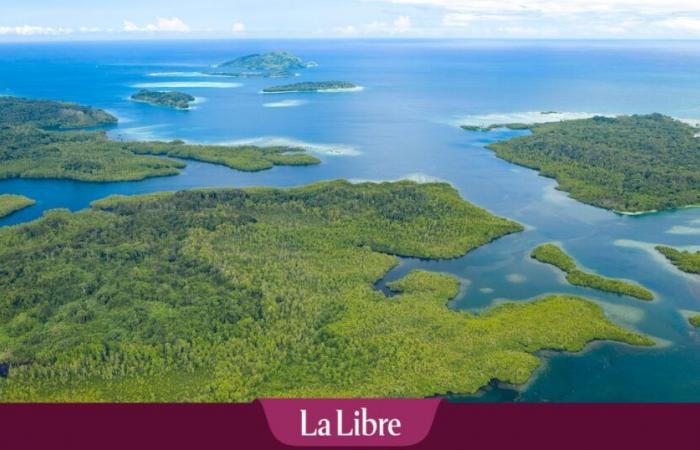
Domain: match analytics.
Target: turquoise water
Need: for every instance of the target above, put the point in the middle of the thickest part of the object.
(403, 124)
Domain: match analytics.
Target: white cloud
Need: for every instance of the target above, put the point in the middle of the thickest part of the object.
(163, 24)
(681, 23)
(558, 6)
(238, 28)
(30, 30)
(563, 18)
(400, 25)
(348, 30)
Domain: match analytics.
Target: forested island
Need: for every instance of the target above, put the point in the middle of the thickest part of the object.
(510, 126)
(232, 295)
(684, 260)
(170, 99)
(40, 150)
(552, 254)
(627, 164)
(12, 203)
(272, 64)
(249, 158)
(309, 86)
(51, 114)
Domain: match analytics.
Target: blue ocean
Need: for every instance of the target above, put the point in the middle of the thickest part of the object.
(404, 123)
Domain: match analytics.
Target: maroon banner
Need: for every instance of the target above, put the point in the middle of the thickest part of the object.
(243, 426)
(346, 423)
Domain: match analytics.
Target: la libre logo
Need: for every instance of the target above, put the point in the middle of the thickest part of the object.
(357, 423)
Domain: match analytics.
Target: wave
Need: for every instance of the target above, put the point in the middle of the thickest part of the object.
(187, 84)
(285, 104)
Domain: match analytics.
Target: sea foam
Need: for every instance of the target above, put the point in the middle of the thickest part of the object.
(285, 104)
(179, 74)
(324, 149)
(187, 84)
(526, 117)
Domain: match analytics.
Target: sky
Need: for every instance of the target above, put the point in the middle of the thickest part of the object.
(241, 19)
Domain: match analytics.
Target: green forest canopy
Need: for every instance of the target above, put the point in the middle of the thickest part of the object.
(170, 99)
(51, 114)
(683, 259)
(231, 295)
(31, 150)
(310, 86)
(628, 163)
(552, 254)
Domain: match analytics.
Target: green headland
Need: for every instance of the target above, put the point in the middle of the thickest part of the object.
(552, 254)
(51, 114)
(685, 260)
(12, 203)
(40, 150)
(628, 163)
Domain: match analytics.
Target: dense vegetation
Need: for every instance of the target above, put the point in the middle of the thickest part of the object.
(684, 260)
(552, 254)
(11, 203)
(241, 157)
(31, 151)
(170, 99)
(694, 321)
(510, 126)
(309, 86)
(230, 295)
(272, 64)
(628, 163)
(51, 114)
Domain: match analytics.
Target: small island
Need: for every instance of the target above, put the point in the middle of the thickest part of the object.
(32, 151)
(12, 203)
(552, 254)
(229, 295)
(312, 86)
(272, 64)
(694, 321)
(170, 99)
(629, 164)
(686, 261)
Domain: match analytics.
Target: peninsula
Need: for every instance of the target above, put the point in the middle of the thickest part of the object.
(552, 254)
(12, 203)
(627, 164)
(238, 294)
(686, 261)
(31, 151)
(316, 86)
(51, 114)
(170, 99)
